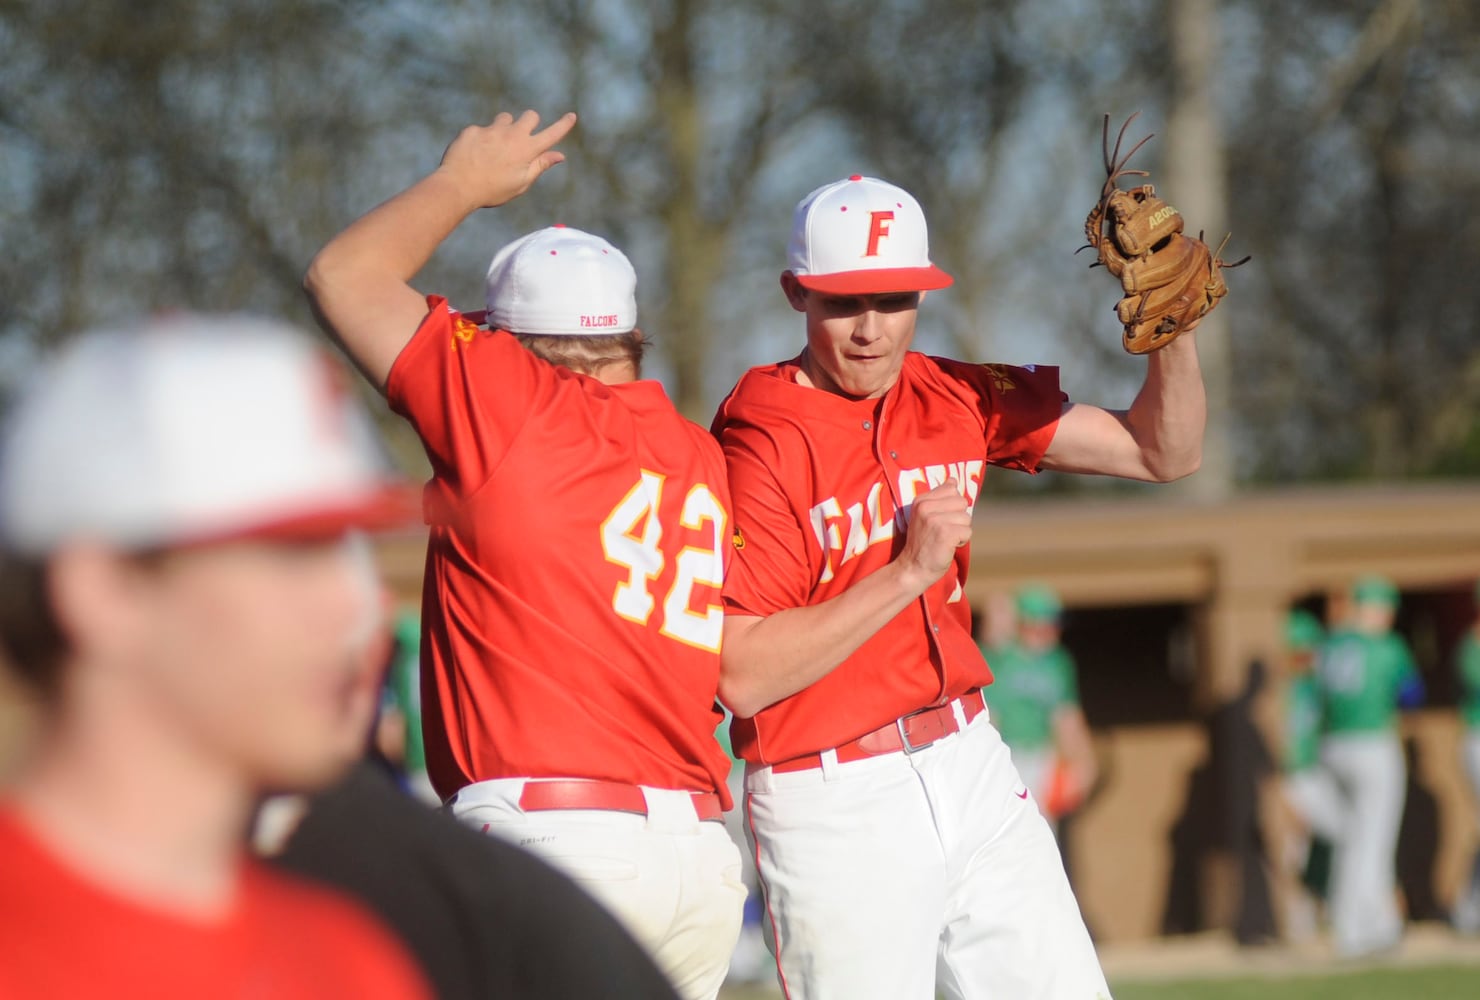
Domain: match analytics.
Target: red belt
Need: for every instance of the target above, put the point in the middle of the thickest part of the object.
(542, 796)
(908, 733)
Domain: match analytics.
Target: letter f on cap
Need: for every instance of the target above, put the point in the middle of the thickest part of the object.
(878, 228)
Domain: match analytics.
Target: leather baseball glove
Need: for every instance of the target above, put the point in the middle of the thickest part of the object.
(1170, 280)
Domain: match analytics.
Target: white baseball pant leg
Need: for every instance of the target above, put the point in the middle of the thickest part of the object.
(1317, 798)
(1471, 751)
(674, 881)
(1370, 770)
(1314, 795)
(889, 877)
(1466, 914)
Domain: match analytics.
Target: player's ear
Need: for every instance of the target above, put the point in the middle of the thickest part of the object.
(795, 293)
(923, 292)
(98, 596)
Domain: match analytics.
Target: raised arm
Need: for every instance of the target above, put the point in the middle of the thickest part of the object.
(1158, 439)
(359, 283)
(766, 659)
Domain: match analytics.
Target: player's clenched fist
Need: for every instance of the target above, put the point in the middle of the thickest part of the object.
(495, 163)
(939, 524)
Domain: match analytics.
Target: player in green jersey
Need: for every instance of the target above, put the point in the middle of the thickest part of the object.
(1034, 702)
(1366, 672)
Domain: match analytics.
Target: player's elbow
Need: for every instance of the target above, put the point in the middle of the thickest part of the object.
(1180, 470)
(740, 694)
(755, 670)
(742, 687)
(1163, 467)
(316, 283)
(335, 280)
(329, 298)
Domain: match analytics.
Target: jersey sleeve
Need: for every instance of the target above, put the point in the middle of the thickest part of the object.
(1400, 657)
(467, 392)
(1020, 408)
(769, 570)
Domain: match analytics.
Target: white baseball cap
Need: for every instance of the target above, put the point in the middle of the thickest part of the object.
(861, 236)
(191, 429)
(563, 282)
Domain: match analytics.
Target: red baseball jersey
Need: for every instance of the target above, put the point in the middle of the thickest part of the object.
(63, 936)
(822, 487)
(579, 533)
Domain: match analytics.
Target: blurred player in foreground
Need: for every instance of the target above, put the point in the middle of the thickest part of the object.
(579, 532)
(1034, 701)
(1366, 673)
(181, 586)
(896, 844)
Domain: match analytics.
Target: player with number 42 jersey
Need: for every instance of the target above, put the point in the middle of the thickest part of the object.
(577, 539)
(579, 533)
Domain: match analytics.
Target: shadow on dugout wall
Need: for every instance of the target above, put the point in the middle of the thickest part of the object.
(1418, 842)
(1221, 819)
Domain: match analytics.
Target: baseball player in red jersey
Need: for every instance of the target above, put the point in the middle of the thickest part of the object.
(579, 531)
(895, 843)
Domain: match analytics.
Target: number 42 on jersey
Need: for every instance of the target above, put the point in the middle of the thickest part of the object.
(632, 538)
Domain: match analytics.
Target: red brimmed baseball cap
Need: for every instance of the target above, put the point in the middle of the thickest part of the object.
(862, 236)
(190, 430)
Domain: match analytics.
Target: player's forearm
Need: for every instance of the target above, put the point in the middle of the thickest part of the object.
(359, 283)
(397, 238)
(1170, 413)
(1157, 440)
(767, 659)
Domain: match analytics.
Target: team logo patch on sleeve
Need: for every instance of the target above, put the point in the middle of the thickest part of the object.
(1000, 378)
(463, 329)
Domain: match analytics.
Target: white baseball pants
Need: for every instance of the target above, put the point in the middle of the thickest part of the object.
(894, 876)
(1370, 771)
(673, 881)
(1313, 794)
(1466, 914)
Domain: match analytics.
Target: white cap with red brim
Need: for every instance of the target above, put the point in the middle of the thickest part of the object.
(862, 236)
(188, 430)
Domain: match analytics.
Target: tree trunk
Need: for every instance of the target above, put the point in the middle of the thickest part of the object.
(1195, 181)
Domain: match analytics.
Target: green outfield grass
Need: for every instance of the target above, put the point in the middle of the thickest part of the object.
(1432, 983)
